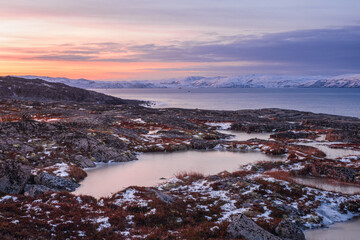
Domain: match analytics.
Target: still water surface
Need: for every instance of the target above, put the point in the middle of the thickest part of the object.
(319, 100)
(242, 136)
(339, 231)
(147, 171)
(328, 184)
(332, 153)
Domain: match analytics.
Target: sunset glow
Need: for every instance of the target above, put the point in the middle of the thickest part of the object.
(160, 39)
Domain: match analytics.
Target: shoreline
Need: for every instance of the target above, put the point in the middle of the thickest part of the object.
(61, 133)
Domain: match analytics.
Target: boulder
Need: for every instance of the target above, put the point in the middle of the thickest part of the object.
(55, 183)
(84, 162)
(165, 198)
(34, 190)
(13, 177)
(243, 227)
(289, 231)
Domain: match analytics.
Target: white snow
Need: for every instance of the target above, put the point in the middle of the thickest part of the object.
(5, 198)
(220, 125)
(104, 223)
(62, 171)
(128, 197)
(242, 81)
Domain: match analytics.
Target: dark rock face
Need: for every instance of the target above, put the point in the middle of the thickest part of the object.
(55, 183)
(292, 135)
(262, 126)
(243, 227)
(34, 190)
(340, 173)
(84, 162)
(13, 177)
(289, 231)
(36, 89)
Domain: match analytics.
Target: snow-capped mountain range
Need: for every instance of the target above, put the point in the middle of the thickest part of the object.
(243, 81)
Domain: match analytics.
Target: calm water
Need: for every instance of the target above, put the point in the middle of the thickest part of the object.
(332, 153)
(328, 184)
(242, 136)
(147, 171)
(338, 231)
(332, 101)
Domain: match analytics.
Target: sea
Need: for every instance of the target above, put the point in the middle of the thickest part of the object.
(338, 101)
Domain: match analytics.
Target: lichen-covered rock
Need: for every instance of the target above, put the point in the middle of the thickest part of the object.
(13, 177)
(289, 231)
(34, 190)
(243, 227)
(55, 183)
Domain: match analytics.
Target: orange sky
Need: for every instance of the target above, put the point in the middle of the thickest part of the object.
(140, 39)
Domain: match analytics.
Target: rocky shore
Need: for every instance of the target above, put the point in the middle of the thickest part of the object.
(45, 143)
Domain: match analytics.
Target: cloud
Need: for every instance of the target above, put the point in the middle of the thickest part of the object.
(312, 51)
(319, 50)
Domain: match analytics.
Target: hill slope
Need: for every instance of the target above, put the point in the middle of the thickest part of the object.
(40, 90)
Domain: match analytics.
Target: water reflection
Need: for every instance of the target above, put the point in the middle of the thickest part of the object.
(346, 230)
(243, 136)
(328, 185)
(147, 171)
(331, 153)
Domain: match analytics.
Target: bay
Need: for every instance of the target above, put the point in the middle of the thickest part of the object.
(338, 101)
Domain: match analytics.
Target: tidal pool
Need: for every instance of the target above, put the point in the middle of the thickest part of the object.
(331, 153)
(345, 230)
(148, 171)
(328, 184)
(243, 136)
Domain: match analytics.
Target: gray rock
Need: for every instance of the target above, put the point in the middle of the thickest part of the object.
(34, 190)
(289, 231)
(243, 227)
(55, 183)
(165, 198)
(13, 177)
(84, 162)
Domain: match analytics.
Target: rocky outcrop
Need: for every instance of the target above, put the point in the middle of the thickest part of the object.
(33, 190)
(292, 135)
(165, 198)
(13, 177)
(55, 183)
(262, 126)
(243, 227)
(83, 162)
(274, 149)
(289, 231)
(319, 169)
(36, 89)
(350, 136)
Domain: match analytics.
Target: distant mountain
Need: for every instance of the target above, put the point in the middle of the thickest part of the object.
(90, 84)
(342, 81)
(243, 81)
(40, 90)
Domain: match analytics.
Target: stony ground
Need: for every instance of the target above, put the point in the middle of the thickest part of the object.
(45, 146)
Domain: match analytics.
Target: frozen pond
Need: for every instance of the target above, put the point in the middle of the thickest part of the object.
(328, 185)
(243, 136)
(346, 230)
(151, 167)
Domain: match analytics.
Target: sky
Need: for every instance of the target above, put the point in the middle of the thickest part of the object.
(159, 39)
